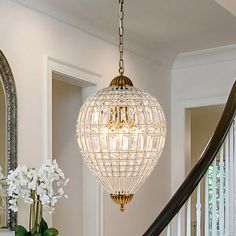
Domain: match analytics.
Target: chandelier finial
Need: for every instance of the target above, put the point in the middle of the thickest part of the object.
(121, 80)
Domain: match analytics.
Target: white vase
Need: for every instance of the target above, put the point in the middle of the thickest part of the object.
(7, 233)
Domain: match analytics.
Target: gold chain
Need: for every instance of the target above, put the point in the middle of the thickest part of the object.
(121, 36)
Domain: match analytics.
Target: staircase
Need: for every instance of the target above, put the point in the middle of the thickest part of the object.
(211, 184)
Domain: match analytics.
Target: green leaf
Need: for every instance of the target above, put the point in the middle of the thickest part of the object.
(43, 226)
(20, 230)
(51, 232)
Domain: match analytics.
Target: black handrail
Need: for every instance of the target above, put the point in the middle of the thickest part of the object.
(199, 170)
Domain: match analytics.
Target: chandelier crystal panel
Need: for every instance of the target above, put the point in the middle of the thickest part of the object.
(121, 134)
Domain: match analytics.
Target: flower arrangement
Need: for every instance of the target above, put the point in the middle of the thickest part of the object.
(39, 188)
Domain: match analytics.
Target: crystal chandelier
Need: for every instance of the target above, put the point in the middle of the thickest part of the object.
(121, 133)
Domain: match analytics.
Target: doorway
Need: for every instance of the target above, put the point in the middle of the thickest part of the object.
(67, 98)
(202, 122)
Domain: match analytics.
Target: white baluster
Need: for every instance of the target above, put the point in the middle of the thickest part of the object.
(231, 182)
(168, 230)
(198, 211)
(227, 186)
(206, 223)
(188, 220)
(179, 224)
(221, 206)
(214, 220)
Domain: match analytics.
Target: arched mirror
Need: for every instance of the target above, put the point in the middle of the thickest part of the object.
(8, 136)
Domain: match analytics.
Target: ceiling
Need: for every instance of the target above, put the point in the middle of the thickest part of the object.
(154, 28)
(230, 5)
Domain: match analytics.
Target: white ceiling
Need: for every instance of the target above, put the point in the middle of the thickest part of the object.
(229, 5)
(154, 28)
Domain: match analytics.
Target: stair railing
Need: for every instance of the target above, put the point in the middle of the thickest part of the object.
(215, 215)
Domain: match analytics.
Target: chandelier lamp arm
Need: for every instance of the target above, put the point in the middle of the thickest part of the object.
(121, 36)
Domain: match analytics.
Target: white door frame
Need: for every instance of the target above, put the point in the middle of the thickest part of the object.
(180, 135)
(92, 196)
(181, 140)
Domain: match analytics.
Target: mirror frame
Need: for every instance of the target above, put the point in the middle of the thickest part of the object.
(11, 107)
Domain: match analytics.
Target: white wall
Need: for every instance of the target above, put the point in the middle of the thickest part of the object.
(200, 78)
(67, 100)
(26, 36)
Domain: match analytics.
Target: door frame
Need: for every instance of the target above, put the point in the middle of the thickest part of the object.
(92, 211)
(180, 150)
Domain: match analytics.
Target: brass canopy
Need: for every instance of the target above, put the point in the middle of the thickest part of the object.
(121, 80)
(122, 200)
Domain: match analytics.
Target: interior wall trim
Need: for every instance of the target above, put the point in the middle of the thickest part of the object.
(83, 77)
(178, 129)
(205, 57)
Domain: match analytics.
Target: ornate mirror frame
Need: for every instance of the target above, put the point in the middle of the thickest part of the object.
(11, 110)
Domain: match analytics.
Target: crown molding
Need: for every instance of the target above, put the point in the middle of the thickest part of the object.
(204, 57)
